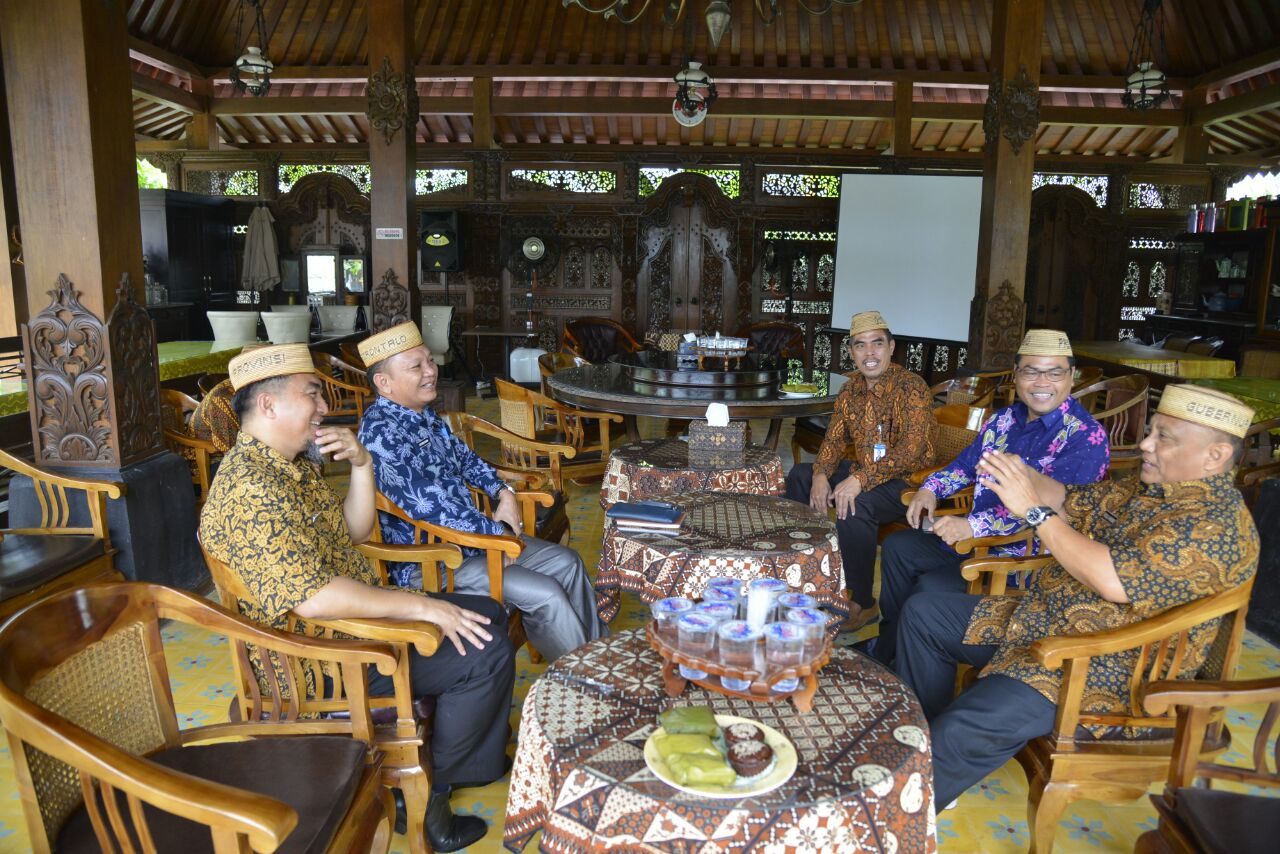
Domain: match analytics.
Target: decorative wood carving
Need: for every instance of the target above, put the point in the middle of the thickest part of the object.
(1012, 109)
(135, 373)
(389, 302)
(996, 324)
(629, 265)
(393, 101)
(326, 209)
(712, 291)
(660, 289)
(68, 382)
(170, 163)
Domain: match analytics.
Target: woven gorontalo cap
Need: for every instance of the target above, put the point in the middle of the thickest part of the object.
(388, 342)
(865, 321)
(1206, 406)
(1045, 342)
(275, 361)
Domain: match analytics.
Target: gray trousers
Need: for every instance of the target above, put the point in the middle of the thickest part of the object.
(548, 584)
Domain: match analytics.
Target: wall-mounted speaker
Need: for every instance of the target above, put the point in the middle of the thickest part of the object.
(440, 242)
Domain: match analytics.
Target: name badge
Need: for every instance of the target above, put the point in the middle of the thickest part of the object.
(878, 451)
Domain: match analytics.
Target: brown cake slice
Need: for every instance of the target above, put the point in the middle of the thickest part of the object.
(750, 758)
(742, 732)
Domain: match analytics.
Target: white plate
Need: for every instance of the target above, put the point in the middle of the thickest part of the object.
(784, 764)
(797, 394)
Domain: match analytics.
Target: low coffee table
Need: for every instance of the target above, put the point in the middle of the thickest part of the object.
(724, 533)
(658, 468)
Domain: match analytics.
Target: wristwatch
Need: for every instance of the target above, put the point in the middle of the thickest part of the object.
(1036, 516)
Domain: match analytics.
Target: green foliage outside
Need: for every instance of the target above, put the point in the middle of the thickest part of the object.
(150, 177)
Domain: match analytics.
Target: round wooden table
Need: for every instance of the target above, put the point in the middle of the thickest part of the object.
(610, 389)
(864, 781)
(657, 468)
(724, 533)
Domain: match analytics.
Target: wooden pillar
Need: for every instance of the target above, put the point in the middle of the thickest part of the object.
(902, 94)
(91, 365)
(393, 124)
(1012, 115)
(1192, 144)
(13, 288)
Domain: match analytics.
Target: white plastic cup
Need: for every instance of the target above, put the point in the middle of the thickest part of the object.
(721, 612)
(723, 595)
(814, 624)
(762, 597)
(727, 582)
(667, 611)
(738, 643)
(696, 635)
(796, 600)
(783, 648)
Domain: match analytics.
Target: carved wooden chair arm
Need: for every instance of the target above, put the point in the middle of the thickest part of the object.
(1159, 697)
(1259, 473)
(380, 554)
(1054, 652)
(109, 488)
(186, 441)
(424, 636)
(971, 569)
(1026, 535)
(488, 428)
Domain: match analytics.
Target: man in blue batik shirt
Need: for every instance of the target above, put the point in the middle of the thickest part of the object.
(421, 466)
(1046, 427)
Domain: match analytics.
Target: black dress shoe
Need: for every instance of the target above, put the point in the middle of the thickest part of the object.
(449, 832)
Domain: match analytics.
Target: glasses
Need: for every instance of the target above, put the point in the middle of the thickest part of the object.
(1053, 374)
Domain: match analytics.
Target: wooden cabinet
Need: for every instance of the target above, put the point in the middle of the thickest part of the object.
(188, 241)
(172, 320)
(1220, 274)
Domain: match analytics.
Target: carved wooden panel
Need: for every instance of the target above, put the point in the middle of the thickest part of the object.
(135, 372)
(389, 301)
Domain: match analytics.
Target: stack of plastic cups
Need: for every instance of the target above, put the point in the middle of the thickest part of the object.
(783, 648)
(814, 624)
(762, 598)
(667, 611)
(725, 596)
(725, 582)
(738, 642)
(787, 601)
(696, 636)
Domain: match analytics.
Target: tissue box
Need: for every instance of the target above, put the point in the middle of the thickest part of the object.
(717, 460)
(704, 437)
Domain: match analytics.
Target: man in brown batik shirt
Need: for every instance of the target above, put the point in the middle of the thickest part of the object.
(882, 430)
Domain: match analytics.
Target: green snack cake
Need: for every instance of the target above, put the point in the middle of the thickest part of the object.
(696, 770)
(671, 745)
(690, 719)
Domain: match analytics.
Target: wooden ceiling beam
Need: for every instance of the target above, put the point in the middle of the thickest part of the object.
(171, 96)
(1250, 66)
(1266, 98)
(284, 105)
(167, 60)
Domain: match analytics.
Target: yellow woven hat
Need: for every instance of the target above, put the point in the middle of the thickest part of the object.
(275, 361)
(1206, 406)
(1045, 342)
(397, 339)
(865, 321)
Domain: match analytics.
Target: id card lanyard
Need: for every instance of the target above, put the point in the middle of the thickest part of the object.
(878, 450)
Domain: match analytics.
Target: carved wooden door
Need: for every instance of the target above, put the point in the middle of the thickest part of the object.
(1068, 258)
(687, 280)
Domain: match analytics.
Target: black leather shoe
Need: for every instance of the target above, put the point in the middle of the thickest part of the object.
(402, 813)
(449, 832)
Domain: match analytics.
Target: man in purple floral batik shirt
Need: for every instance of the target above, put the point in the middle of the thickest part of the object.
(1046, 427)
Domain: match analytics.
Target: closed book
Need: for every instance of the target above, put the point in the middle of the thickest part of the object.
(659, 512)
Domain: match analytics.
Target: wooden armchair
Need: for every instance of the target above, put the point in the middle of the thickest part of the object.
(1259, 461)
(347, 399)
(402, 722)
(776, 338)
(1068, 765)
(176, 410)
(56, 553)
(1119, 404)
(597, 338)
(963, 390)
(339, 368)
(589, 433)
(499, 550)
(526, 465)
(1193, 817)
(350, 354)
(84, 682)
(208, 382)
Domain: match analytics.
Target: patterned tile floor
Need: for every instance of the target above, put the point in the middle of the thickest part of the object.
(991, 817)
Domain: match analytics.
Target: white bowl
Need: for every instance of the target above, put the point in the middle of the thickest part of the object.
(338, 318)
(289, 309)
(287, 328)
(234, 327)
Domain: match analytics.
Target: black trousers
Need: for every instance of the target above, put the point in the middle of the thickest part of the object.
(473, 697)
(912, 562)
(979, 731)
(856, 533)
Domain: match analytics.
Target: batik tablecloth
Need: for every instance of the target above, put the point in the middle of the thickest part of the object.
(864, 781)
(657, 468)
(724, 533)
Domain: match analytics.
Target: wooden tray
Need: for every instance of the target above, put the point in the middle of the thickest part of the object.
(760, 690)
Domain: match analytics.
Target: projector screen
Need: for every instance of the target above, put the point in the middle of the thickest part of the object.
(908, 248)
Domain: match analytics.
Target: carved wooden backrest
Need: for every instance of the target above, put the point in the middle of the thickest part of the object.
(1119, 404)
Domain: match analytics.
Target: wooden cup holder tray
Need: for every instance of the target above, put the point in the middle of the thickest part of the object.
(761, 688)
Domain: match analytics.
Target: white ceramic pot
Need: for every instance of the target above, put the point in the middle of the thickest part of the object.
(290, 309)
(234, 327)
(524, 364)
(338, 318)
(287, 328)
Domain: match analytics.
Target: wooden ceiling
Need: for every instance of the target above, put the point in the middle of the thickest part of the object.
(565, 77)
